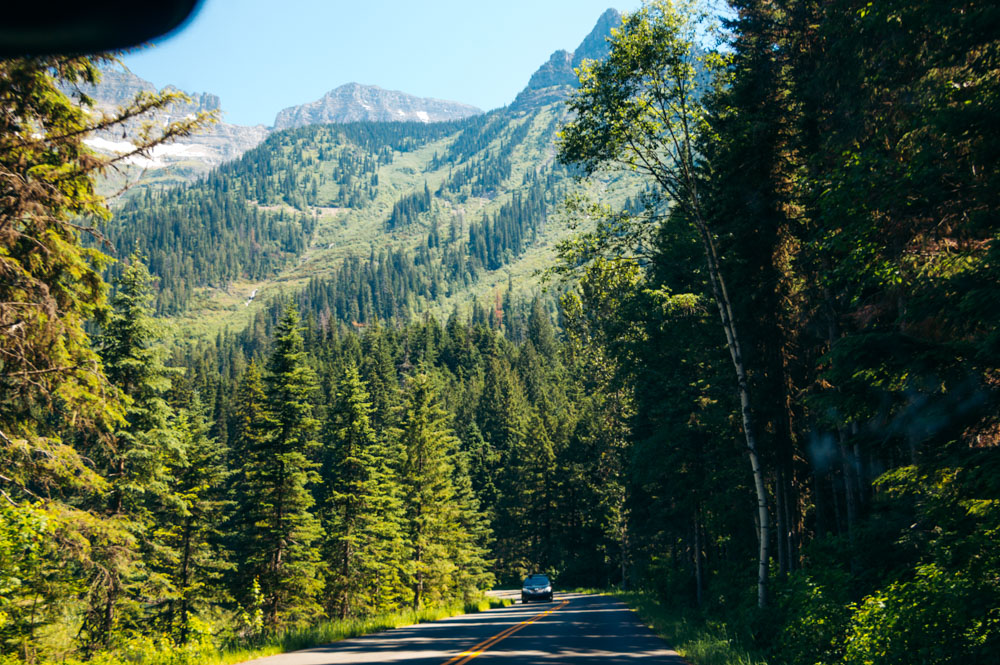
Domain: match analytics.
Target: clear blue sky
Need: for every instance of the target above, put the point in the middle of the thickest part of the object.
(261, 56)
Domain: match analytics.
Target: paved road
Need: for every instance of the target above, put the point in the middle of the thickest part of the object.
(574, 628)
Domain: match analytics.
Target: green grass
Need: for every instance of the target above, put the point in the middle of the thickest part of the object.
(153, 649)
(334, 631)
(700, 642)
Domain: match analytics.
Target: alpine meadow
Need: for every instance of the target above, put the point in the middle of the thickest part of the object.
(706, 318)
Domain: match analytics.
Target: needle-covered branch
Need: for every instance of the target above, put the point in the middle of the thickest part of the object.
(50, 283)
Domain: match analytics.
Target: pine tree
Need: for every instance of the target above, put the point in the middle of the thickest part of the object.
(137, 459)
(195, 532)
(364, 539)
(429, 495)
(483, 460)
(540, 330)
(134, 364)
(473, 535)
(378, 371)
(503, 418)
(290, 579)
(50, 284)
(251, 458)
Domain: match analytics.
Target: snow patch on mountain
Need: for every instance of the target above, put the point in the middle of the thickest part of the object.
(157, 158)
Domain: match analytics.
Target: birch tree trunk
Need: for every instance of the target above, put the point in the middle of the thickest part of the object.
(698, 573)
(721, 295)
(642, 107)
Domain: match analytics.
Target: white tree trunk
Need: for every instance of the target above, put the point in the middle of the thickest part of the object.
(721, 296)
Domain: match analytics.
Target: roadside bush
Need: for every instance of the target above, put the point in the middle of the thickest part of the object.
(813, 611)
(938, 618)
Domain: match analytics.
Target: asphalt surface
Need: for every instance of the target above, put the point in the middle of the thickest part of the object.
(574, 628)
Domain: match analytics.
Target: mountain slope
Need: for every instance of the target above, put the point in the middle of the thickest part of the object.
(354, 102)
(362, 221)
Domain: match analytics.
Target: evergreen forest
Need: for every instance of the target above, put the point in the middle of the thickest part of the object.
(716, 332)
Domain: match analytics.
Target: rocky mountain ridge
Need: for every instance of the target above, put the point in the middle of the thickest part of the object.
(192, 155)
(556, 79)
(354, 102)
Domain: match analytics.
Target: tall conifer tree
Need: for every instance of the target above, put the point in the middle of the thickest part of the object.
(250, 456)
(364, 540)
(195, 532)
(134, 364)
(291, 576)
(431, 514)
(137, 458)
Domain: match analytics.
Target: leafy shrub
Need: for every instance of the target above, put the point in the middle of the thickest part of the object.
(937, 618)
(813, 611)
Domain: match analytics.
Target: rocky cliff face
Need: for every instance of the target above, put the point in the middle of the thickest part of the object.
(554, 80)
(190, 156)
(355, 102)
(195, 155)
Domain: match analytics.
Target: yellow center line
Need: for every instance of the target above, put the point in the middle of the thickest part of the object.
(472, 652)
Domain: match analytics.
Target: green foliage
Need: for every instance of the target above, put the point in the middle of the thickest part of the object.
(51, 284)
(365, 544)
(814, 608)
(289, 555)
(642, 107)
(928, 619)
(445, 541)
(25, 602)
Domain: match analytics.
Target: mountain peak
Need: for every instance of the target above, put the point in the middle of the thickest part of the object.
(554, 80)
(187, 157)
(595, 45)
(355, 102)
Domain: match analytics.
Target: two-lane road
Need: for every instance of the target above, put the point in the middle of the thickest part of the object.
(574, 628)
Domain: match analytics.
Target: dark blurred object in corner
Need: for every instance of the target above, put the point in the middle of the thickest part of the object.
(41, 27)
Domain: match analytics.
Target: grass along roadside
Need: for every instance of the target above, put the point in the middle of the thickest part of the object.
(201, 649)
(698, 641)
(334, 631)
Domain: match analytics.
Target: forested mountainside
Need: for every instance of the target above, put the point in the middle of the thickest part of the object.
(448, 203)
(390, 217)
(766, 396)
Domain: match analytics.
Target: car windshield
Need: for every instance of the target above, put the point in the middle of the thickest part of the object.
(536, 579)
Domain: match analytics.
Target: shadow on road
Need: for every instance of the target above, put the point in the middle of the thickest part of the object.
(588, 629)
